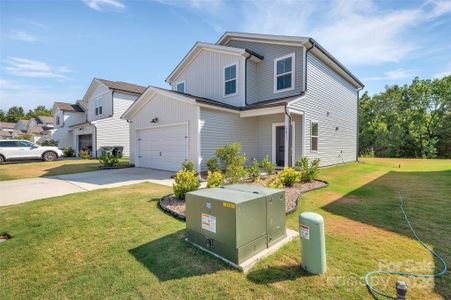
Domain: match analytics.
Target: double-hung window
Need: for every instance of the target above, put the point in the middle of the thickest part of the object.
(284, 73)
(99, 106)
(314, 136)
(230, 80)
(180, 87)
(58, 120)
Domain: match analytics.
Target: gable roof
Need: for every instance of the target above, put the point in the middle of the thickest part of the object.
(45, 119)
(312, 46)
(7, 125)
(68, 107)
(199, 46)
(206, 101)
(122, 86)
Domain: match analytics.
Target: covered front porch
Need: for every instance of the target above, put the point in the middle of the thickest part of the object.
(84, 138)
(279, 134)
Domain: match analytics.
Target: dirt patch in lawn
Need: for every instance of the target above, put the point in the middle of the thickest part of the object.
(4, 237)
(176, 207)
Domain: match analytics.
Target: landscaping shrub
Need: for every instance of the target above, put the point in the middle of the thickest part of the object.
(212, 165)
(236, 171)
(309, 171)
(214, 179)
(274, 183)
(185, 181)
(84, 154)
(109, 160)
(187, 166)
(253, 171)
(232, 161)
(268, 166)
(69, 152)
(289, 176)
(51, 143)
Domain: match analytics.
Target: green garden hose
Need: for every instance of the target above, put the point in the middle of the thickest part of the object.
(445, 267)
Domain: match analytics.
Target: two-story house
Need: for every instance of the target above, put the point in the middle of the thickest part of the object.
(64, 116)
(281, 96)
(105, 101)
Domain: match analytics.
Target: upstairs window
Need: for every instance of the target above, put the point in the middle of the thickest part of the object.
(99, 106)
(284, 73)
(57, 121)
(230, 80)
(180, 87)
(314, 136)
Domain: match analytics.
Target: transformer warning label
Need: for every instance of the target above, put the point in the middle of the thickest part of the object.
(209, 222)
(229, 205)
(305, 232)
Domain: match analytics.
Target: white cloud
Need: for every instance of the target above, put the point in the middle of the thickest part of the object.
(24, 67)
(393, 75)
(101, 5)
(209, 6)
(444, 73)
(22, 36)
(34, 23)
(355, 31)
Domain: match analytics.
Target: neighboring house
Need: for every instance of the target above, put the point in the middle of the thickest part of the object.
(40, 129)
(6, 130)
(105, 101)
(281, 96)
(64, 116)
(22, 125)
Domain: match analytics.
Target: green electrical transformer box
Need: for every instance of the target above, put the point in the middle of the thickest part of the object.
(237, 221)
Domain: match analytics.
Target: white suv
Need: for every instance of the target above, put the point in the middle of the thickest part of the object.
(21, 149)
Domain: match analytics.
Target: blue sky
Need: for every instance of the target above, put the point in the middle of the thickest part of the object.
(51, 50)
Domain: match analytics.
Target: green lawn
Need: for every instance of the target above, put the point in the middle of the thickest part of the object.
(21, 170)
(116, 243)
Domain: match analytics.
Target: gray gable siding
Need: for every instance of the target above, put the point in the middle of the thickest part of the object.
(262, 87)
(332, 102)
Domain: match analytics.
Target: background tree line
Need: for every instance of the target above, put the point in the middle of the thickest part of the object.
(407, 121)
(17, 113)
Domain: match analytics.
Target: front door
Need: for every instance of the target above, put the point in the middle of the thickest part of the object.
(280, 146)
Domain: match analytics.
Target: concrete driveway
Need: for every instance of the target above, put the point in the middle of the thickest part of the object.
(24, 190)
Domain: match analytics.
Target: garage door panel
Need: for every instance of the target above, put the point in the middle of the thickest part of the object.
(163, 148)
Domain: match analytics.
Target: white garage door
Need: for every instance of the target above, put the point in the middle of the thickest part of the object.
(164, 148)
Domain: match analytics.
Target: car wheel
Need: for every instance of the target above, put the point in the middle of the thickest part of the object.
(49, 156)
(2, 159)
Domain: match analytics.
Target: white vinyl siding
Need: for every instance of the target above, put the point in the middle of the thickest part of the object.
(63, 134)
(100, 92)
(114, 131)
(205, 76)
(169, 111)
(332, 102)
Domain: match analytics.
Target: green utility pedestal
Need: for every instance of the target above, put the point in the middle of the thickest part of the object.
(313, 245)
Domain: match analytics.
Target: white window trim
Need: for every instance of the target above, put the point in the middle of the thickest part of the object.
(273, 142)
(95, 106)
(293, 72)
(311, 136)
(184, 85)
(224, 81)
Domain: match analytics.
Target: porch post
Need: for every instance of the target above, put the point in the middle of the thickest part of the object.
(287, 141)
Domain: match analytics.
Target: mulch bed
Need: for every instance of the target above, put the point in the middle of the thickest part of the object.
(176, 207)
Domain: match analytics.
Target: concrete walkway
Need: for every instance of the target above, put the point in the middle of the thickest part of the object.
(24, 190)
